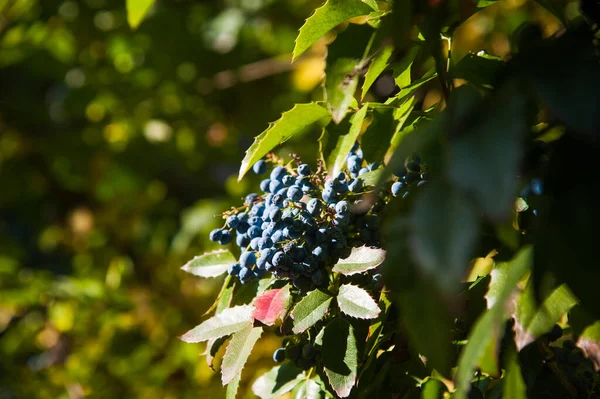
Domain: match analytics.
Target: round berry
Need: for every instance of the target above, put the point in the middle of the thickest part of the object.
(215, 235)
(260, 167)
(342, 207)
(397, 188)
(247, 259)
(304, 170)
(295, 193)
(234, 269)
(264, 186)
(225, 237)
(278, 173)
(279, 355)
(232, 221)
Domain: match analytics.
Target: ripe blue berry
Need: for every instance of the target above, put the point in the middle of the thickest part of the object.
(295, 193)
(215, 235)
(260, 167)
(245, 275)
(225, 237)
(234, 269)
(279, 355)
(264, 186)
(242, 240)
(304, 170)
(397, 188)
(288, 180)
(250, 198)
(247, 259)
(278, 173)
(342, 207)
(232, 221)
(314, 206)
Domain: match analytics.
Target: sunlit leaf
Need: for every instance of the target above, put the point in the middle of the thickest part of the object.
(337, 157)
(356, 302)
(137, 10)
(360, 260)
(211, 264)
(325, 18)
(340, 356)
(272, 305)
(233, 386)
(277, 381)
(377, 66)
(291, 122)
(237, 352)
(310, 310)
(227, 322)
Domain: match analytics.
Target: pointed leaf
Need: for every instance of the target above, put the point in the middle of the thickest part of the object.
(343, 66)
(238, 351)
(277, 381)
(356, 302)
(227, 322)
(233, 386)
(340, 356)
(325, 18)
(137, 10)
(360, 260)
(377, 66)
(291, 122)
(211, 264)
(310, 310)
(514, 386)
(272, 305)
(344, 143)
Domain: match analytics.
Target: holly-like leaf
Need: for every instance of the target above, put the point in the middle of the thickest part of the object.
(237, 352)
(344, 142)
(227, 322)
(340, 356)
(210, 264)
(445, 231)
(360, 260)
(277, 381)
(325, 18)
(272, 305)
(343, 65)
(356, 302)
(137, 10)
(291, 122)
(377, 66)
(310, 310)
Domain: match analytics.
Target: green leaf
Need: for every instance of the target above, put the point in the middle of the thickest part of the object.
(227, 322)
(360, 260)
(445, 232)
(307, 389)
(479, 69)
(485, 158)
(325, 18)
(344, 64)
(589, 342)
(371, 179)
(514, 386)
(344, 143)
(137, 10)
(376, 140)
(310, 310)
(402, 70)
(531, 322)
(291, 122)
(433, 389)
(237, 352)
(277, 381)
(356, 302)
(377, 66)
(233, 386)
(340, 356)
(211, 264)
(489, 327)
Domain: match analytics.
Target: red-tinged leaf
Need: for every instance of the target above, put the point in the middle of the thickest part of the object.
(272, 305)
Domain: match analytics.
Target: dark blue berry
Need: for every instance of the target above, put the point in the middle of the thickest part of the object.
(232, 221)
(397, 188)
(279, 355)
(225, 237)
(247, 259)
(278, 172)
(215, 235)
(260, 167)
(234, 269)
(264, 186)
(295, 193)
(304, 170)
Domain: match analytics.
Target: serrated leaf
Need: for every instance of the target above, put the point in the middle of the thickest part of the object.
(210, 264)
(291, 122)
(344, 143)
(445, 232)
(340, 356)
(310, 310)
(277, 381)
(343, 65)
(137, 10)
(377, 66)
(360, 260)
(356, 302)
(227, 322)
(272, 305)
(325, 18)
(489, 327)
(233, 387)
(514, 386)
(237, 352)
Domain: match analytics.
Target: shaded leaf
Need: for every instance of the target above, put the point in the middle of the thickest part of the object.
(356, 302)
(360, 260)
(211, 264)
(370, 179)
(291, 122)
(343, 65)
(377, 138)
(402, 70)
(237, 352)
(325, 18)
(215, 349)
(272, 305)
(277, 381)
(340, 356)
(479, 69)
(337, 157)
(137, 10)
(589, 342)
(227, 322)
(433, 389)
(310, 310)
(377, 66)
(445, 232)
(514, 386)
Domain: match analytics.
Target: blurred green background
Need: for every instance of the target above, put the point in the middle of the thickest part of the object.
(117, 150)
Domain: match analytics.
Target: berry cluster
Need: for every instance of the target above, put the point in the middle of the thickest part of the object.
(301, 225)
(414, 173)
